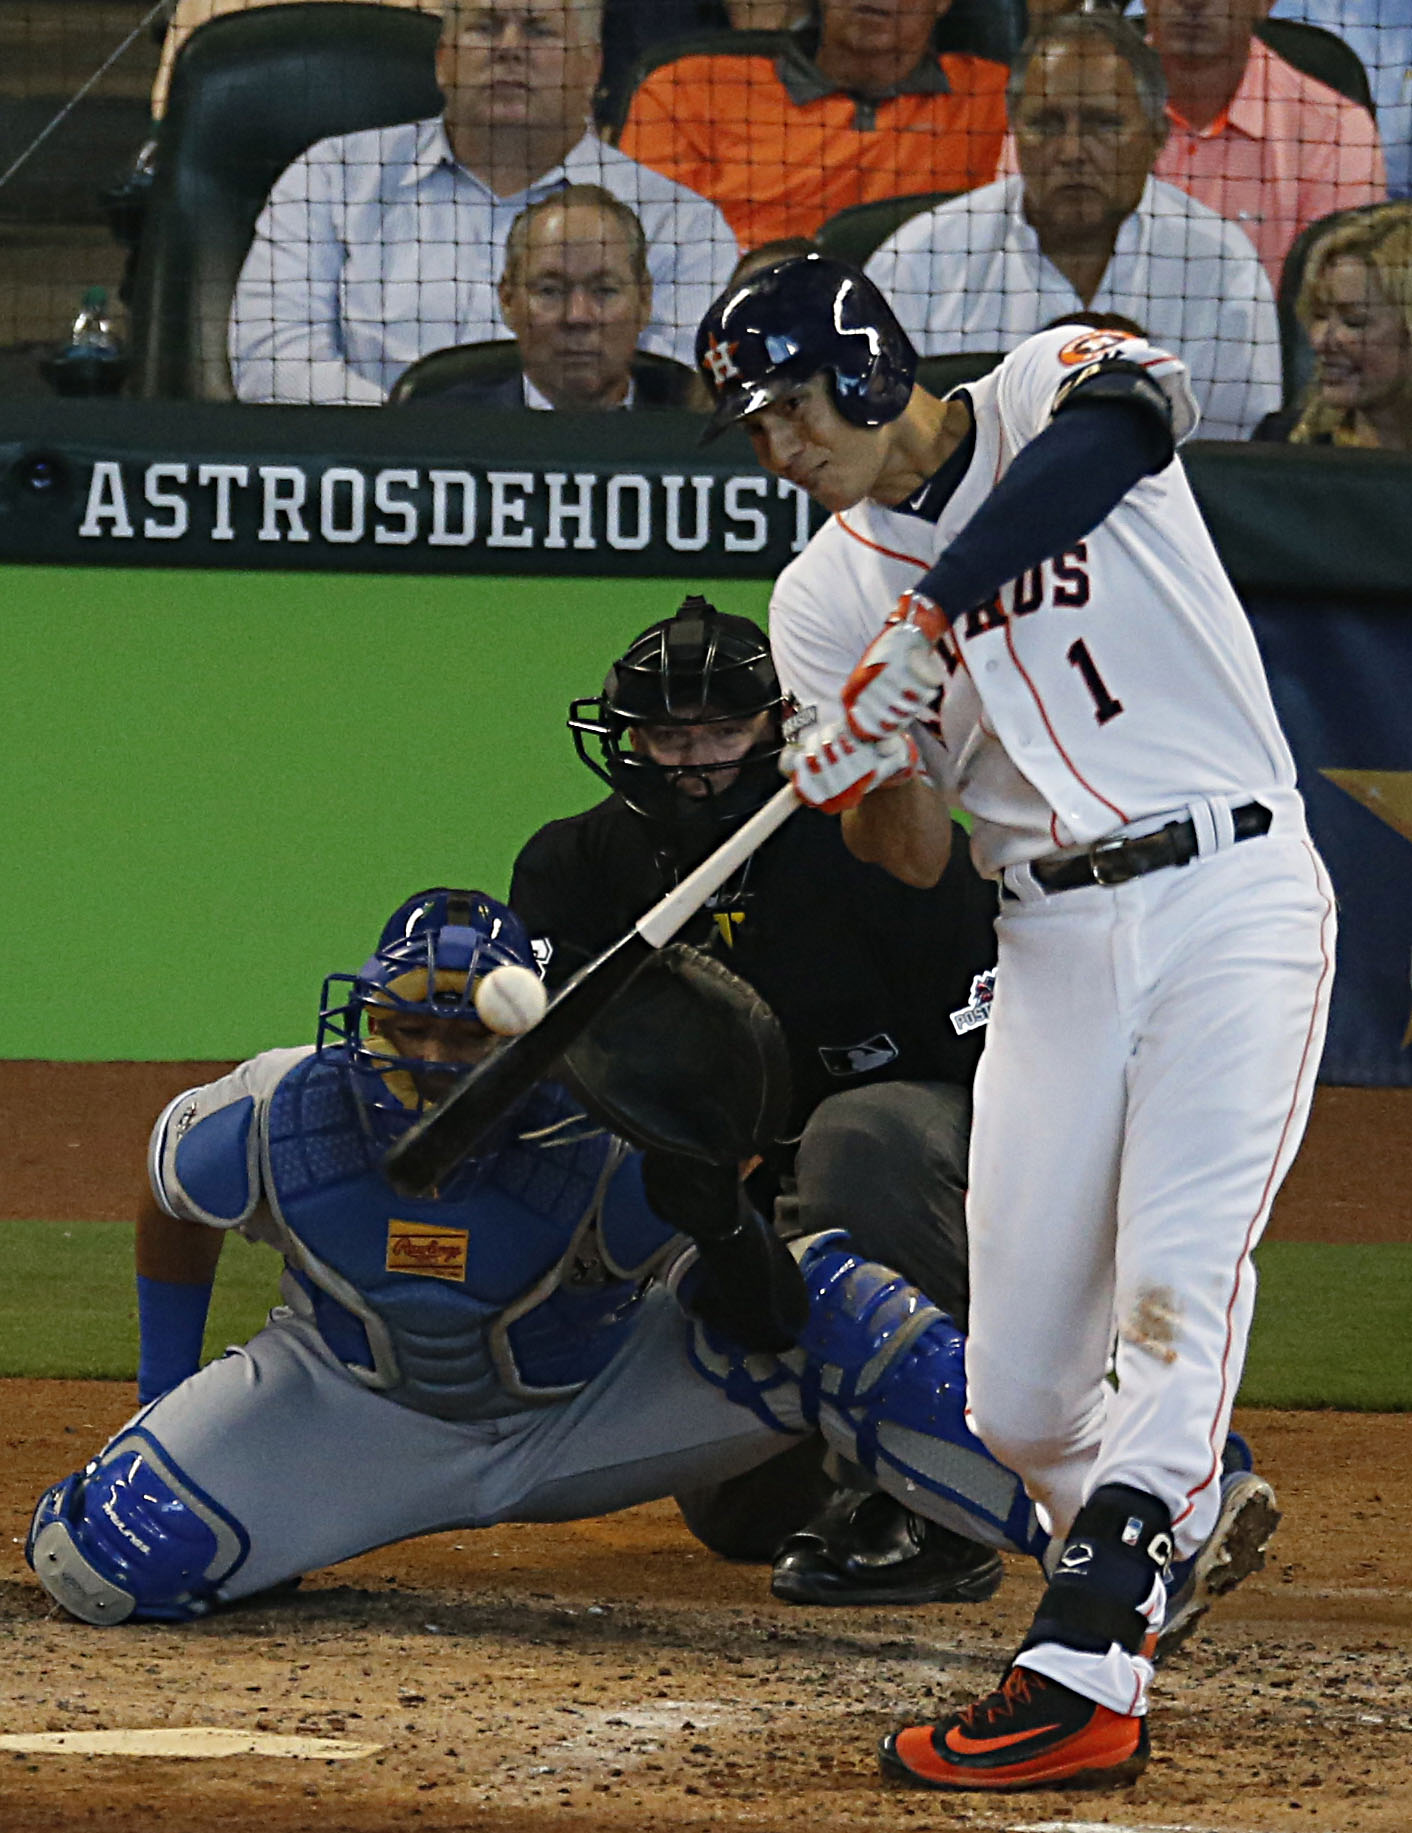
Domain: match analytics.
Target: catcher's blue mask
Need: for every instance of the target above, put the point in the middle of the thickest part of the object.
(431, 953)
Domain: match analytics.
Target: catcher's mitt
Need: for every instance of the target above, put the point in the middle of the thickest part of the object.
(688, 1058)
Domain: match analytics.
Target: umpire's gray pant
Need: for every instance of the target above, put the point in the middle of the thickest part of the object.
(888, 1163)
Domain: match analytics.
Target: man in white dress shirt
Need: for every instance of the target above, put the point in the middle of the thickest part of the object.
(376, 248)
(1084, 226)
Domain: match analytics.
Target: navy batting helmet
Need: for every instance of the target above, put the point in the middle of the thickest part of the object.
(801, 318)
(699, 667)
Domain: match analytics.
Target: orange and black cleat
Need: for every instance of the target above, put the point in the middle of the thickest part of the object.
(1030, 1733)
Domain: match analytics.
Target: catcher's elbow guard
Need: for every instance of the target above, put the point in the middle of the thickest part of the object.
(130, 1537)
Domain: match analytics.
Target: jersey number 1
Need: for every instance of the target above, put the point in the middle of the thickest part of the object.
(1105, 704)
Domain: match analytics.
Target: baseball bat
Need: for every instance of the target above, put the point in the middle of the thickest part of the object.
(431, 1149)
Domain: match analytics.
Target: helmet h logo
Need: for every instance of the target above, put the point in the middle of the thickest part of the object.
(720, 360)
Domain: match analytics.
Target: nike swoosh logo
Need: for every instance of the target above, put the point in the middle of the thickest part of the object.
(978, 1747)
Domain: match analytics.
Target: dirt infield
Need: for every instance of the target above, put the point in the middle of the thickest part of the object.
(614, 1676)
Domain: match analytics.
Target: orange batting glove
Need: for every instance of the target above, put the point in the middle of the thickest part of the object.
(900, 672)
(833, 770)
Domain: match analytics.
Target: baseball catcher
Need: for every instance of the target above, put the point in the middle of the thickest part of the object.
(574, 1324)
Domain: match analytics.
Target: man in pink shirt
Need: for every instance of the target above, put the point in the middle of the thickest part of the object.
(1252, 137)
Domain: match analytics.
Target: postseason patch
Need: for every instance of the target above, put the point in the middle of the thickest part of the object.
(422, 1247)
(976, 1011)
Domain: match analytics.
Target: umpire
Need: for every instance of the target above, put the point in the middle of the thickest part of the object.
(868, 976)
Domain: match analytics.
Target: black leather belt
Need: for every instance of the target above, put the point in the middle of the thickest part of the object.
(1114, 862)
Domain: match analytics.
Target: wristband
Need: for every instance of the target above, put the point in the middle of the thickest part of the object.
(171, 1323)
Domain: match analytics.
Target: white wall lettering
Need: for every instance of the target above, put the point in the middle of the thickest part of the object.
(639, 491)
(286, 488)
(384, 533)
(223, 476)
(107, 504)
(580, 513)
(173, 501)
(446, 487)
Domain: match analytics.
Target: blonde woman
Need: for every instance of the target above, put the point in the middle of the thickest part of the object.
(1356, 307)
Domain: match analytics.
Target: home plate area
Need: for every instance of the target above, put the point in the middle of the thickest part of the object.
(614, 1675)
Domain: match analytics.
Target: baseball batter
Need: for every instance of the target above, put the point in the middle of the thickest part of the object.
(1016, 599)
(497, 1352)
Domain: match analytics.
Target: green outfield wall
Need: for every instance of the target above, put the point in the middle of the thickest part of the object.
(218, 784)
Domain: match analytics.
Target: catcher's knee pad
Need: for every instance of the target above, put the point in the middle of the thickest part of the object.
(130, 1536)
(884, 1376)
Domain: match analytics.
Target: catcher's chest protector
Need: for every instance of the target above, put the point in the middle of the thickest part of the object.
(518, 1286)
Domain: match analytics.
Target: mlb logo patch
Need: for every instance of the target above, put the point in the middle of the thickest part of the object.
(425, 1249)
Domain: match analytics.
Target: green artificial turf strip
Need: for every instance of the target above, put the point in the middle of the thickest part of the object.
(67, 1304)
(1331, 1327)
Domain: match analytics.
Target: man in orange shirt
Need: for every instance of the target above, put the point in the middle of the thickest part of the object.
(1252, 137)
(858, 106)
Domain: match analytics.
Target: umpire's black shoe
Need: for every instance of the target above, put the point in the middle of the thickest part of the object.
(865, 1548)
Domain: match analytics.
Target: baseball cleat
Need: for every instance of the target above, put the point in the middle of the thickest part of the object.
(865, 1548)
(1030, 1733)
(1234, 1549)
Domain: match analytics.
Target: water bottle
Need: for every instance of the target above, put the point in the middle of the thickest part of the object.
(93, 361)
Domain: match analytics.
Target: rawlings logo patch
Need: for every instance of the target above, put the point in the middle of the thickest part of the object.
(976, 1010)
(1090, 344)
(423, 1248)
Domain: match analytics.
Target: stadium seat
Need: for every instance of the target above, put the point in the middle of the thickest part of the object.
(1323, 55)
(499, 358)
(940, 374)
(250, 93)
(1296, 357)
(858, 232)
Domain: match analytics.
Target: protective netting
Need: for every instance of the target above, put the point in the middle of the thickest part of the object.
(300, 202)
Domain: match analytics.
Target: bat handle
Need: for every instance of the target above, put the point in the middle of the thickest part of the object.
(664, 919)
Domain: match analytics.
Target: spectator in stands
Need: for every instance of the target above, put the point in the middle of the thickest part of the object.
(1380, 31)
(1252, 137)
(577, 295)
(860, 106)
(376, 248)
(766, 15)
(188, 14)
(1355, 304)
(1085, 225)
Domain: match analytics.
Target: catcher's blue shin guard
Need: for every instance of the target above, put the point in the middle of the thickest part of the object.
(881, 1371)
(129, 1536)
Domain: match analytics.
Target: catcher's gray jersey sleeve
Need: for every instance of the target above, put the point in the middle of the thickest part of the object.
(204, 1158)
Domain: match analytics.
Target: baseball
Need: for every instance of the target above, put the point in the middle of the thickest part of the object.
(510, 1000)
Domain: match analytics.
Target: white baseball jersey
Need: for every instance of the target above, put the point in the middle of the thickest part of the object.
(1114, 683)
(1152, 1044)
